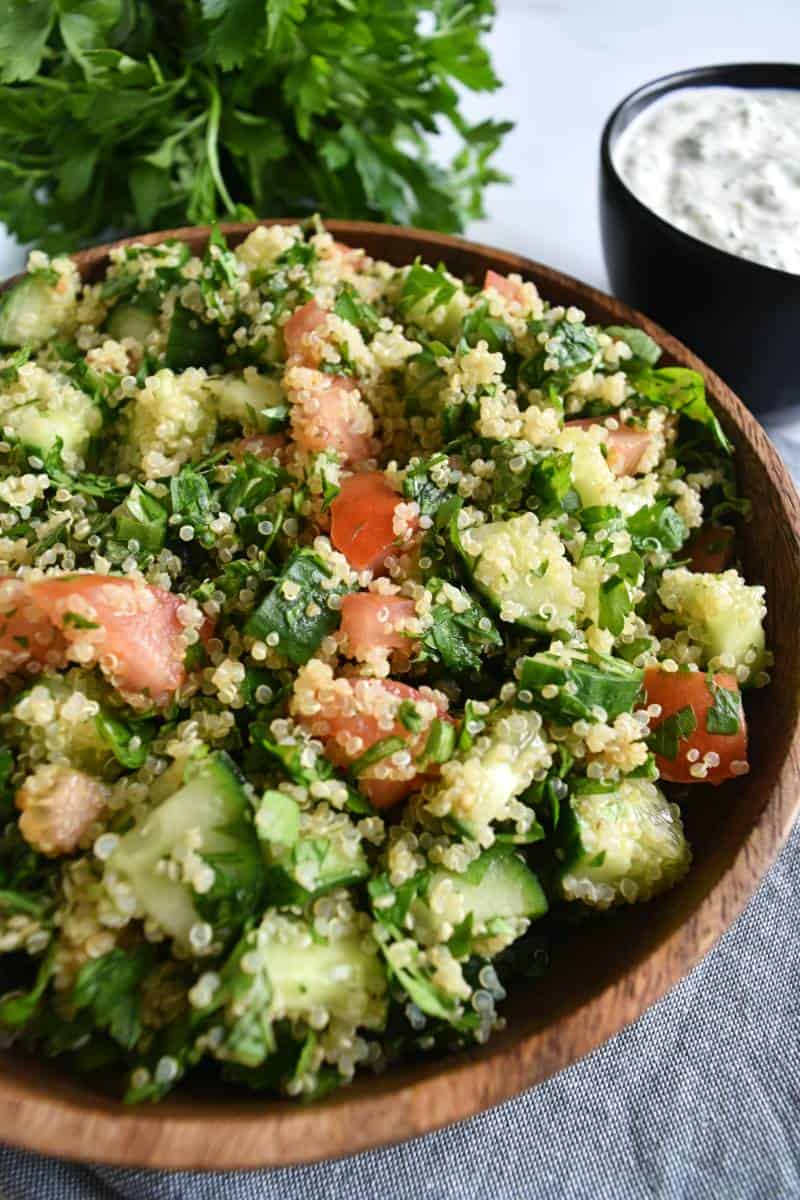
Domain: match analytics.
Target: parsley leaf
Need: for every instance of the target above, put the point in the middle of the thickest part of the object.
(118, 116)
(17, 1009)
(683, 391)
(295, 613)
(425, 289)
(667, 736)
(614, 604)
(642, 346)
(570, 349)
(419, 484)
(599, 682)
(724, 716)
(460, 630)
(109, 986)
(119, 736)
(350, 307)
(480, 327)
(658, 527)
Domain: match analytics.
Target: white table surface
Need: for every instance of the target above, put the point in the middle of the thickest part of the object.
(565, 64)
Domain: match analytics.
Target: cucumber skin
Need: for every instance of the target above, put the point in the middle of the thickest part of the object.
(497, 871)
(29, 313)
(131, 321)
(636, 839)
(282, 888)
(302, 976)
(226, 830)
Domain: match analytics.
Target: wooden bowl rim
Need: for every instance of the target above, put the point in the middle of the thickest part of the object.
(77, 1125)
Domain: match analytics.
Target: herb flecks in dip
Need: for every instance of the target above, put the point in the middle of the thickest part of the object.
(723, 164)
(355, 622)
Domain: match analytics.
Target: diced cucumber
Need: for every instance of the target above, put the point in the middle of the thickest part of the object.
(589, 574)
(479, 788)
(287, 970)
(521, 566)
(135, 321)
(592, 477)
(62, 415)
(308, 853)
(278, 819)
(723, 613)
(621, 846)
(342, 976)
(38, 307)
(252, 400)
(497, 884)
(209, 815)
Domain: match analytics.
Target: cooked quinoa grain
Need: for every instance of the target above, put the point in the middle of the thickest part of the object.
(355, 621)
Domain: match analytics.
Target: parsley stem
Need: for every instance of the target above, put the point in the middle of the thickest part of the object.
(212, 144)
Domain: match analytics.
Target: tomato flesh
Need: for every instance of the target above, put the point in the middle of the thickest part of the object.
(362, 521)
(507, 288)
(342, 722)
(331, 417)
(326, 412)
(26, 632)
(349, 255)
(373, 623)
(677, 690)
(626, 447)
(711, 549)
(297, 332)
(130, 628)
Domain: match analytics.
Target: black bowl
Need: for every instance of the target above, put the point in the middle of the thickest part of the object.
(741, 317)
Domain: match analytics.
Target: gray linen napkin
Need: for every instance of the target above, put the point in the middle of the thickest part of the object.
(699, 1099)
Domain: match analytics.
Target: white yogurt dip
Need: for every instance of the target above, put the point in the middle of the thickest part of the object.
(723, 164)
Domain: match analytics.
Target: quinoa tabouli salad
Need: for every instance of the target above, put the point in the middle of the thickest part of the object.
(352, 618)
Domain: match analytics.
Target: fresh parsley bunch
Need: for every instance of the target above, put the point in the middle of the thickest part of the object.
(135, 115)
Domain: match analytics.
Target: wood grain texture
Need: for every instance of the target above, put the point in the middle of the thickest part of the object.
(602, 976)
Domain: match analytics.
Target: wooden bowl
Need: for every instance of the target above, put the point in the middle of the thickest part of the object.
(603, 975)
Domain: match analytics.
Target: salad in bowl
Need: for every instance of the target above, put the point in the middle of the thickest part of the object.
(357, 623)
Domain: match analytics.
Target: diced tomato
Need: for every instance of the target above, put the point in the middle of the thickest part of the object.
(332, 417)
(26, 632)
(711, 549)
(130, 628)
(373, 623)
(362, 521)
(626, 447)
(677, 690)
(260, 445)
(349, 726)
(508, 288)
(303, 322)
(385, 793)
(350, 255)
(59, 806)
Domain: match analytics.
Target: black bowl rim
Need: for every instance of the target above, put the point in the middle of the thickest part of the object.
(786, 75)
